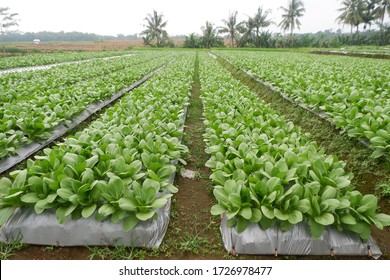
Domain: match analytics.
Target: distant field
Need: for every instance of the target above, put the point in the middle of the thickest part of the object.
(78, 46)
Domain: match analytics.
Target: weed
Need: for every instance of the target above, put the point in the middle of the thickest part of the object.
(198, 175)
(7, 249)
(192, 243)
(384, 189)
(121, 252)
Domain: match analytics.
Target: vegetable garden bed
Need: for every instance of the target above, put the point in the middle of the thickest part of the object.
(269, 173)
(119, 168)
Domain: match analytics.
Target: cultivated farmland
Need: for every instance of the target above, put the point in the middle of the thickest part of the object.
(354, 93)
(253, 163)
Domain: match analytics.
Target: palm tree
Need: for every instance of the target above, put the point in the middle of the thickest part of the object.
(260, 21)
(247, 27)
(352, 13)
(368, 11)
(291, 16)
(154, 27)
(192, 41)
(232, 27)
(209, 35)
(380, 10)
(6, 20)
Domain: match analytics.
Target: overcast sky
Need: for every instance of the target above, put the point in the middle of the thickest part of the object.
(127, 17)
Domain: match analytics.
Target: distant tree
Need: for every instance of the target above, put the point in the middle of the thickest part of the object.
(192, 41)
(232, 27)
(291, 15)
(382, 7)
(7, 20)
(248, 28)
(147, 39)
(209, 35)
(260, 21)
(369, 14)
(352, 13)
(155, 28)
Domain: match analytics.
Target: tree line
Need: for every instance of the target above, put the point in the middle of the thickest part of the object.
(48, 36)
(251, 32)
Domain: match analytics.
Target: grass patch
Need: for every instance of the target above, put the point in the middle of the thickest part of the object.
(116, 253)
(7, 250)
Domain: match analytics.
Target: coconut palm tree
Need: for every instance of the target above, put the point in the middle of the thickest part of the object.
(352, 13)
(7, 20)
(368, 10)
(154, 27)
(291, 16)
(260, 21)
(232, 27)
(382, 7)
(209, 35)
(247, 26)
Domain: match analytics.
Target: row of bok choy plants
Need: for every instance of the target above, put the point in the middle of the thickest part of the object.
(119, 167)
(353, 92)
(51, 58)
(267, 171)
(32, 104)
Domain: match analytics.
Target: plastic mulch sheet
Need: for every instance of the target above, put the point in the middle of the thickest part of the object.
(297, 241)
(44, 229)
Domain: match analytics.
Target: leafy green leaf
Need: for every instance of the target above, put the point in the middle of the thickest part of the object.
(144, 216)
(65, 193)
(128, 204)
(256, 215)
(130, 222)
(106, 210)
(30, 198)
(60, 215)
(70, 209)
(20, 180)
(92, 161)
(5, 185)
(325, 219)
(280, 215)
(383, 219)
(165, 172)
(246, 213)
(242, 224)
(158, 203)
(368, 203)
(88, 211)
(267, 212)
(316, 229)
(295, 217)
(304, 205)
(217, 209)
(5, 214)
(328, 193)
(348, 219)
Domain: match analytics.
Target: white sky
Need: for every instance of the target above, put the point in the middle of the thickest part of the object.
(127, 17)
